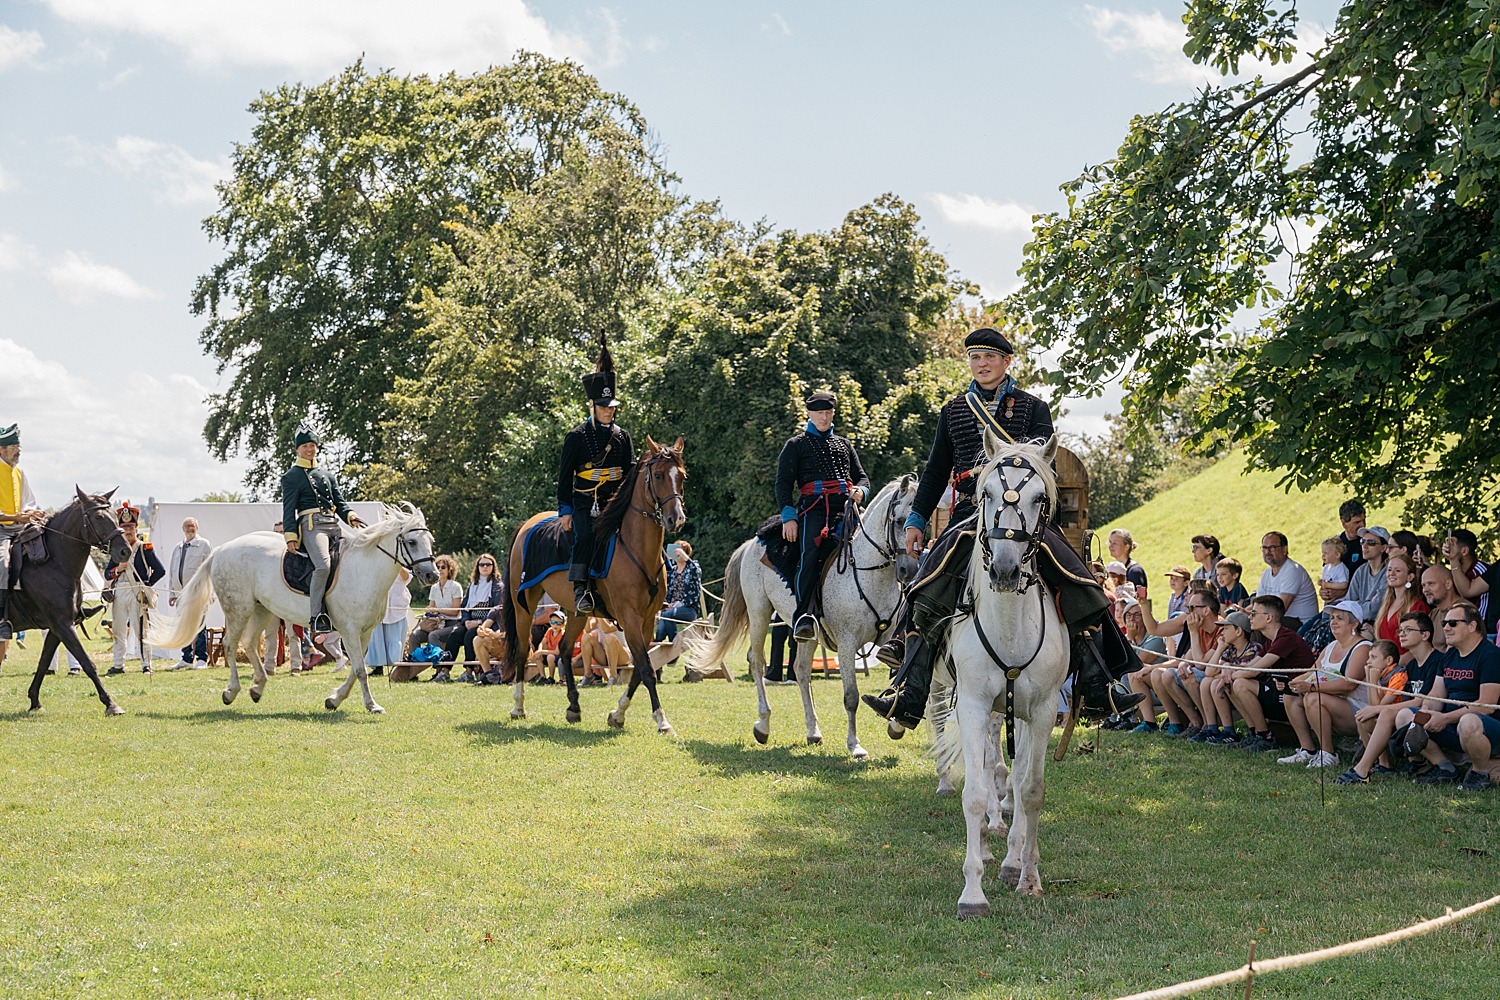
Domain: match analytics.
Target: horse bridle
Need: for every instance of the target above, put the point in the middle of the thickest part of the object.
(657, 515)
(93, 507)
(402, 555)
(1011, 499)
(889, 552)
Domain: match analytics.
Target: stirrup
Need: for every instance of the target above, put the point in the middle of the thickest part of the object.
(583, 601)
(320, 623)
(806, 629)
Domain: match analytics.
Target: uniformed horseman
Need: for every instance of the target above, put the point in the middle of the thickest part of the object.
(992, 400)
(595, 457)
(817, 474)
(130, 590)
(312, 507)
(18, 508)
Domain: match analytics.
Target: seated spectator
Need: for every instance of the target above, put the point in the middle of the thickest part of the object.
(1236, 647)
(1257, 694)
(1471, 673)
(684, 593)
(1150, 648)
(1325, 699)
(1207, 555)
(443, 601)
(1333, 583)
(603, 651)
(492, 650)
(1367, 584)
(1405, 543)
(541, 620)
(1232, 593)
(1121, 545)
(1377, 720)
(387, 644)
(1115, 571)
(1351, 519)
(1402, 596)
(545, 657)
(1178, 578)
(1437, 591)
(1171, 680)
(1285, 578)
(483, 595)
(1473, 579)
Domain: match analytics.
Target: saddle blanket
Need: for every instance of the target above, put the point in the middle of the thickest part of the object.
(297, 569)
(548, 548)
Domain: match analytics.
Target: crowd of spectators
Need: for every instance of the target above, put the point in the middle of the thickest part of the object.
(1391, 651)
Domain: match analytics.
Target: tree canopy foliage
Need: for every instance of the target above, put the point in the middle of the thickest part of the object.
(1373, 171)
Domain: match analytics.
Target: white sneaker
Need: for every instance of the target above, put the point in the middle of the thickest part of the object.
(1300, 757)
(200, 665)
(182, 665)
(1323, 759)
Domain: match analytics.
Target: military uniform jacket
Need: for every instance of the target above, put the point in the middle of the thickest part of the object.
(818, 459)
(148, 568)
(305, 488)
(595, 458)
(958, 445)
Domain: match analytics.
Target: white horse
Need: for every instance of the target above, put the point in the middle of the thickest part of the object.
(1014, 636)
(860, 592)
(246, 575)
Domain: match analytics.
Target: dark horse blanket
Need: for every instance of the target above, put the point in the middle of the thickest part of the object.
(297, 568)
(548, 548)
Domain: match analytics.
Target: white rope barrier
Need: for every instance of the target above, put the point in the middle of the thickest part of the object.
(1255, 968)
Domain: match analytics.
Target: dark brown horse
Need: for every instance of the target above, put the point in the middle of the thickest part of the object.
(50, 595)
(649, 504)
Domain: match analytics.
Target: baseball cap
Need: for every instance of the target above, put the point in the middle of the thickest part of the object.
(1378, 532)
(1181, 572)
(1238, 619)
(1115, 566)
(1353, 609)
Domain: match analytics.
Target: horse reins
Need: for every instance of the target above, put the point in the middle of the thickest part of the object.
(402, 549)
(845, 559)
(657, 515)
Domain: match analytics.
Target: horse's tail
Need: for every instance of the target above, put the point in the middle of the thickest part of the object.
(948, 743)
(734, 617)
(192, 605)
(516, 648)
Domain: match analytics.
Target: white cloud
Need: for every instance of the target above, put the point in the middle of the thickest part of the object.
(432, 37)
(181, 178)
(77, 431)
(985, 213)
(779, 23)
(15, 253)
(19, 48)
(81, 278)
(1160, 40)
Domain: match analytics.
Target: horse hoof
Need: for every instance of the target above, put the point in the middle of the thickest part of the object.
(968, 911)
(330, 704)
(666, 729)
(574, 715)
(39, 710)
(110, 709)
(860, 753)
(614, 721)
(815, 741)
(1010, 875)
(374, 709)
(518, 713)
(228, 697)
(761, 735)
(255, 695)
(945, 789)
(1034, 891)
(895, 730)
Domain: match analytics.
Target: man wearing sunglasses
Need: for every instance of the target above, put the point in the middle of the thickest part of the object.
(1471, 673)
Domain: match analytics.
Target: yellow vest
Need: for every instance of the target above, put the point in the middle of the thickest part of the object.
(10, 489)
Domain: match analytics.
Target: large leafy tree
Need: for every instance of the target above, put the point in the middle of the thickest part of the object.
(342, 211)
(1372, 171)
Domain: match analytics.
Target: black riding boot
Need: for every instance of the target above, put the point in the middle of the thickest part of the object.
(892, 652)
(5, 630)
(583, 597)
(904, 703)
(1099, 656)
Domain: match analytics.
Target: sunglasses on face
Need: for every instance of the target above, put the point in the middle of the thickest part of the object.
(1456, 622)
(486, 563)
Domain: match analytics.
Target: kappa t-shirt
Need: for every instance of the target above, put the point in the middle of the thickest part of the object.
(1463, 675)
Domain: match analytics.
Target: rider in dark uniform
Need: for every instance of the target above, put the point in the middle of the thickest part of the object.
(957, 454)
(817, 474)
(595, 457)
(311, 508)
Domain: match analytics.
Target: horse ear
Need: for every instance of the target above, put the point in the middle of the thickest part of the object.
(651, 446)
(1049, 450)
(678, 446)
(991, 445)
(81, 496)
(110, 493)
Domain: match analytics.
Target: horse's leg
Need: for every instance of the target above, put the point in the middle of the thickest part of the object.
(49, 649)
(334, 700)
(357, 669)
(236, 624)
(994, 758)
(805, 652)
(565, 663)
(638, 641)
(973, 717)
(937, 711)
(260, 620)
(74, 645)
(1021, 855)
(850, 676)
(759, 614)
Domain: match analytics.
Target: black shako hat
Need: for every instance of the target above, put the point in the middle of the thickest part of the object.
(819, 401)
(10, 435)
(599, 384)
(305, 434)
(986, 339)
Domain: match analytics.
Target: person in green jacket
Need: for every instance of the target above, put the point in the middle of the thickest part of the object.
(311, 508)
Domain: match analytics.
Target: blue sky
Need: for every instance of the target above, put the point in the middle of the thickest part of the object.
(117, 118)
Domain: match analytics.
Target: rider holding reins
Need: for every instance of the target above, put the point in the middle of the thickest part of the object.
(311, 508)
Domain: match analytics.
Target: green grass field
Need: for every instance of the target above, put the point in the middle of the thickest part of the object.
(277, 850)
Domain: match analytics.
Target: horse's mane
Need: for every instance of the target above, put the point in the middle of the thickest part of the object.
(614, 514)
(395, 518)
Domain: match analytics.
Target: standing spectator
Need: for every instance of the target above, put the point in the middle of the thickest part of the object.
(1402, 596)
(1473, 578)
(1325, 699)
(388, 639)
(1471, 673)
(780, 669)
(1207, 555)
(18, 508)
(1232, 592)
(684, 593)
(184, 562)
(1437, 591)
(130, 584)
(1367, 585)
(1259, 696)
(1352, 518)
(1178, 578)
(1285, 578)
(1121, 545)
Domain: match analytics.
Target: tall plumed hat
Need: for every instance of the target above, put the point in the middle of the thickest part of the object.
(128, 514)
(599, 384)
(305, 434)
(10, 435)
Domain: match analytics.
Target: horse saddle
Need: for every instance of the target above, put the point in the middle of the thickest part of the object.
(29, 545)
(548, 548)
(297, 568)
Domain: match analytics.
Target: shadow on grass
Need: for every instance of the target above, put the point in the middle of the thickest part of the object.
(213, 716)
(736, 760)
(497, 732)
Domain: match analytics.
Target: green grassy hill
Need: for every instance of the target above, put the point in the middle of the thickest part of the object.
(1238, 507)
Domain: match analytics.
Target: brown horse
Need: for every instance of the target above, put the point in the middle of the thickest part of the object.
(633, 591)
